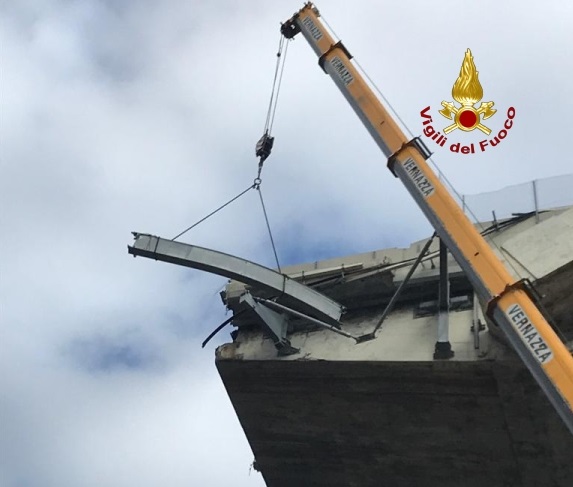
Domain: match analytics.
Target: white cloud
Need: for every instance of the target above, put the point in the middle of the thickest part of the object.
(121, 116)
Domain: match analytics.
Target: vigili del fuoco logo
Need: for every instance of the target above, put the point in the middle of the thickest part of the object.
(466, 117)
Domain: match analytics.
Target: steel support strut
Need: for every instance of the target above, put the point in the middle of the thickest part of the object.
(390, 305)
(298, 314)
(276, 324)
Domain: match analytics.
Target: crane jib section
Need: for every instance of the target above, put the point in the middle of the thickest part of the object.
(509, 304)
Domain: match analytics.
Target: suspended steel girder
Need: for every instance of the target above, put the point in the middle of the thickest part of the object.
(242, 270)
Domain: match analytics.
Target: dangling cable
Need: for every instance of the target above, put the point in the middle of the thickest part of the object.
(221, 326)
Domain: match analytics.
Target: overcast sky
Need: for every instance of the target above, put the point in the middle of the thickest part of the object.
(122, 116)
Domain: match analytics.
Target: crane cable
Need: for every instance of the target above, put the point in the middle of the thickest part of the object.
(265, 143)
(277, 81)
(263, 149)
(258, 188)
(256, 185)
(252, 186)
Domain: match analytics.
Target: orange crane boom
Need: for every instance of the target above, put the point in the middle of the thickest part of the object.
(508, 302)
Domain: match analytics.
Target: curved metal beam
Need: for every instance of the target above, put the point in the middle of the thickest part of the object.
(239, 269)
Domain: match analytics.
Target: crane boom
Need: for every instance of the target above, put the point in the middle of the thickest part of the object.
(509, 304)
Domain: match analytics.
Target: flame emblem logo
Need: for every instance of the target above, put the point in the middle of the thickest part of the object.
(467, 91)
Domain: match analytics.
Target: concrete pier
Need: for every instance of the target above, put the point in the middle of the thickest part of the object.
(385, 412)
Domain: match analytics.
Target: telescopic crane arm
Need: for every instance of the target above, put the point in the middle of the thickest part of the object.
(508, 302)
